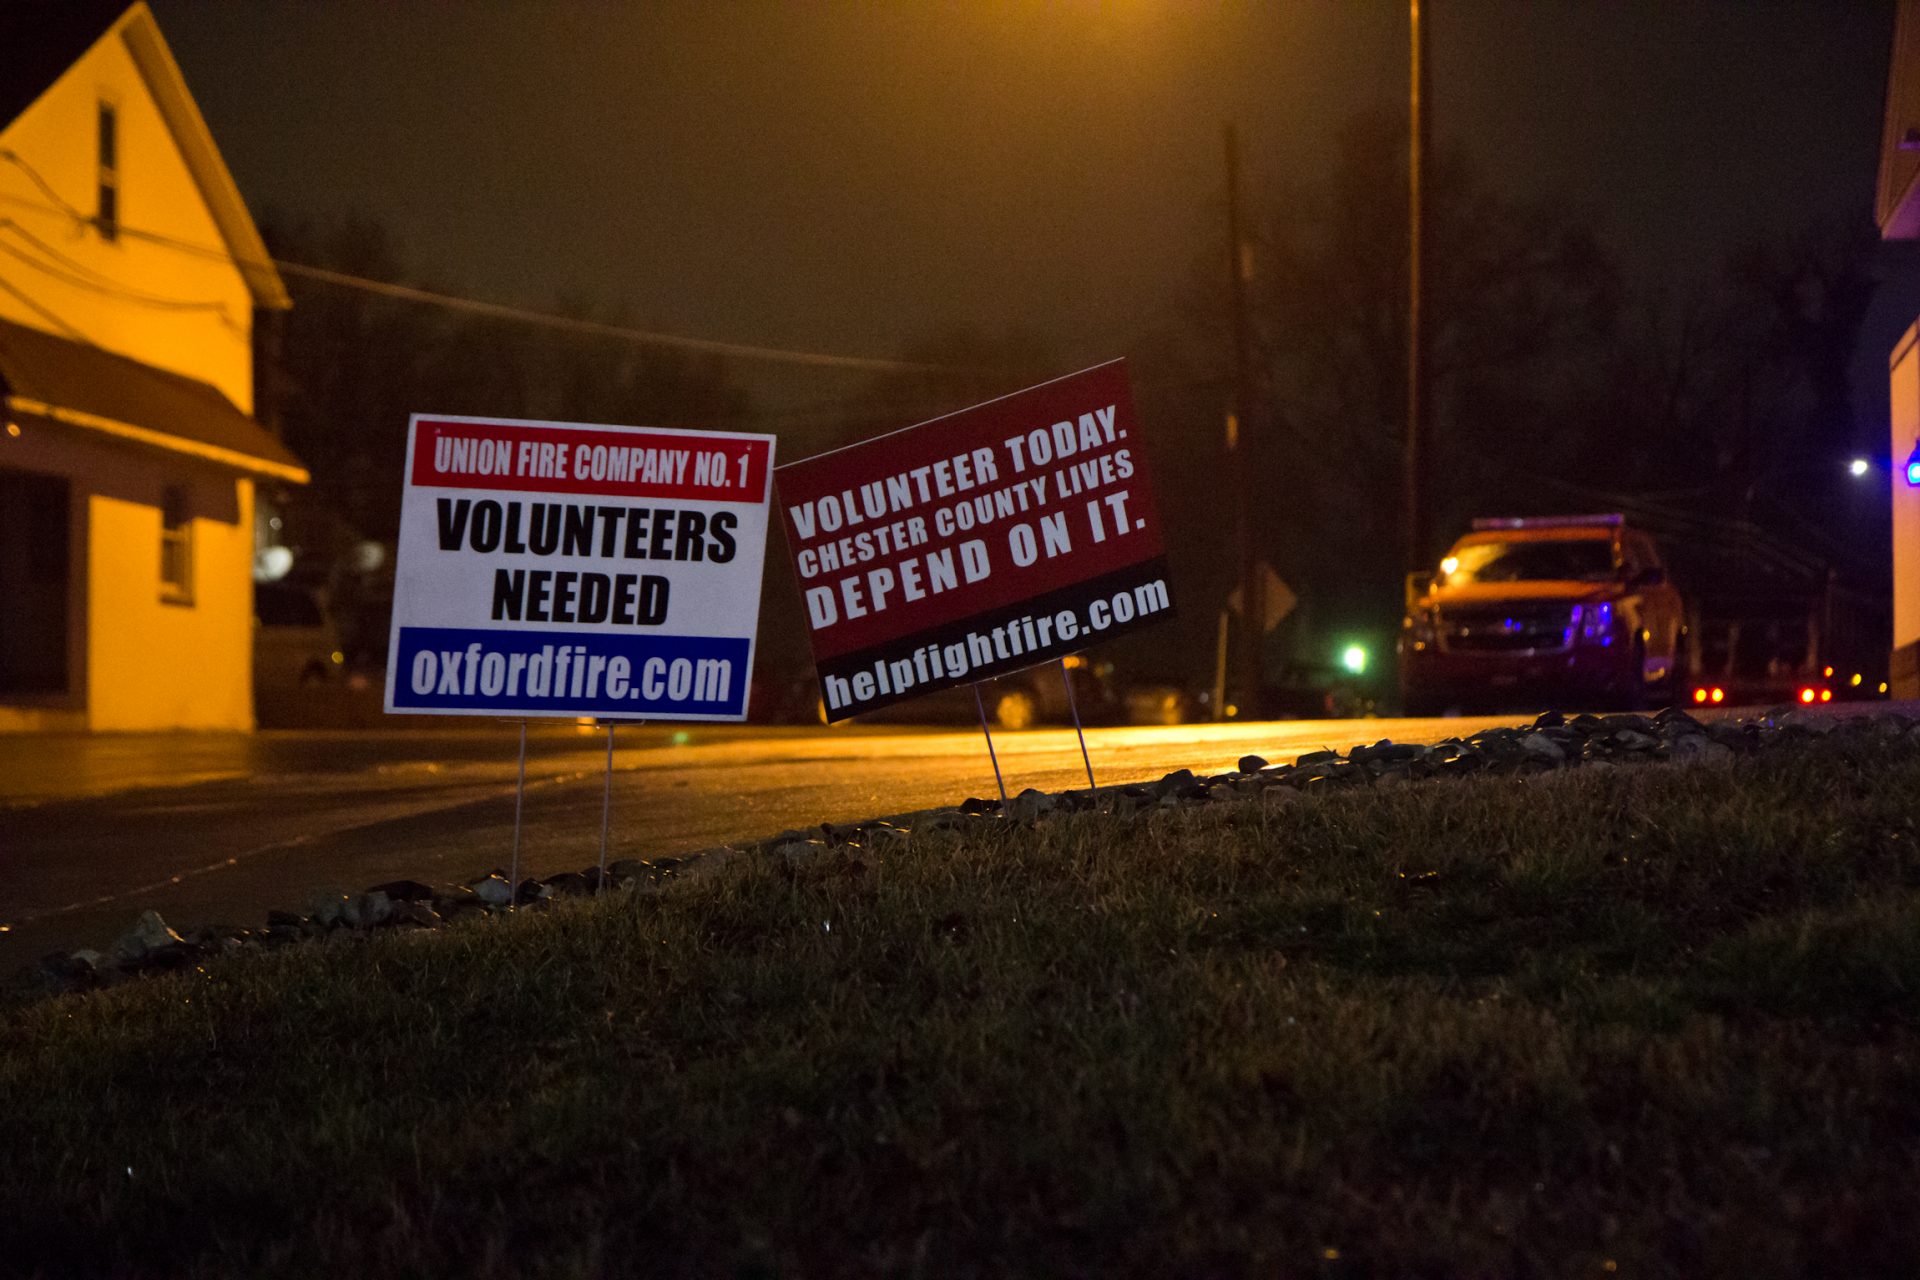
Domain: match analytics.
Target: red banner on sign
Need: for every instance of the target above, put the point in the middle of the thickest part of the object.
(976, 544)
(610, 462)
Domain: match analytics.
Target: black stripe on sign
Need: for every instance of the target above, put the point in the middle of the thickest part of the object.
(873, 670)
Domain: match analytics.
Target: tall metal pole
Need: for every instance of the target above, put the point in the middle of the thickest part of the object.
(1240, 440)
(1414, 459)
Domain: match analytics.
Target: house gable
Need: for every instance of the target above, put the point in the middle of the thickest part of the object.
(177, 285)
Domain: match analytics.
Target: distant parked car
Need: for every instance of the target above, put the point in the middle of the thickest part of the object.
(1160, 702)
(1561, 610)
(295, 641)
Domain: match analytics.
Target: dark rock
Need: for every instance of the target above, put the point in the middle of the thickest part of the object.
(1173, 782)
(326, 907)
(285, 919)
(975, 805)
(1539, 744)
(493, 891)
(1384, 753)
(1029, 805)
(532, 890)
(368, 910)
(1252, 764)
(415, 914)
(72, 971)
(1549, 720)
(1316, 757)
(213, 936)
(570, 884)
(798, 853)
(882, 837)
(1674, 720)
(149, 936)
(1698, 746)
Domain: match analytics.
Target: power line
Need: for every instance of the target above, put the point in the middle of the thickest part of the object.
(49, 316)
(706, 346)
(494, 310)
(82, 277)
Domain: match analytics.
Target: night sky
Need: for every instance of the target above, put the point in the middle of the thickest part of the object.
(843, 177)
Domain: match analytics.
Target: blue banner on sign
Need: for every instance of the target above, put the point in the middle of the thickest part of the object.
(462, 670)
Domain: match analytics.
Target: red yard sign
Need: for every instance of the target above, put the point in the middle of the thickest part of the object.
(976, 544)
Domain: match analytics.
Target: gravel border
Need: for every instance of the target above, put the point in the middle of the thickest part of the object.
(1552, 742)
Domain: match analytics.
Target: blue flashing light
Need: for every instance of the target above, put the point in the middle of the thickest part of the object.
(1595, 622)
(1913, 465)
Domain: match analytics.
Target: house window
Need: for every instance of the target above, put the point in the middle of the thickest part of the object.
(176, 548)
(108, 219)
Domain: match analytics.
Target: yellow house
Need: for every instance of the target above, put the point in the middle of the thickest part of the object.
(130, 274)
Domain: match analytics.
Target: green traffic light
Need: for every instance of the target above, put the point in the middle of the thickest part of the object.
(1354, 659)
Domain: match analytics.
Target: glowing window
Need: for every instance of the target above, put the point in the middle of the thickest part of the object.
(176, 547)
(108, 217)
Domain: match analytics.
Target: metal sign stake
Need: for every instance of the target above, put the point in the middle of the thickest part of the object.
(1073, 704)
(606, 811)
(519, 801)
(998, 780)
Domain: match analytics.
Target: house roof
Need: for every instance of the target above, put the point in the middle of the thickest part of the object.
(55, 379)
(41, 39)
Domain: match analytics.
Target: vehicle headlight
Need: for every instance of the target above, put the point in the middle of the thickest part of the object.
(1595, 622)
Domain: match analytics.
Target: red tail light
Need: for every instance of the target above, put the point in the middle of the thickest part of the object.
(1806, 695)
(1699, 695)
(1826, 695)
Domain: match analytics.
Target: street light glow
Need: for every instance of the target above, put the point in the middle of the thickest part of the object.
(1857, 468)
(1354, 659)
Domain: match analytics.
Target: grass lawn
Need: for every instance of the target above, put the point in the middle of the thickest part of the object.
(1639, 1021)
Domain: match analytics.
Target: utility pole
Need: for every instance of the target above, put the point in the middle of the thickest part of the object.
(1413, 460)
(1239, 441)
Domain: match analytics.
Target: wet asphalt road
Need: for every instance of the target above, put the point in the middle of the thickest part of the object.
(94, 830)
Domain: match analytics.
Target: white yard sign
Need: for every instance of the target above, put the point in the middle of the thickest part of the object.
(563, 569)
